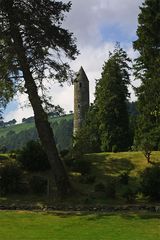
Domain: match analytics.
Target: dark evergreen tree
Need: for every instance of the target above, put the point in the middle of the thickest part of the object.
(31, 41)
(111, 102)
(148, 71)
(87, 138)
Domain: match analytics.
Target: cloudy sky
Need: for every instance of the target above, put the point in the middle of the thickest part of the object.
(97, 25)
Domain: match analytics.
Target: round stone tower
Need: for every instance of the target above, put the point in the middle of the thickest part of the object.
(81, 99)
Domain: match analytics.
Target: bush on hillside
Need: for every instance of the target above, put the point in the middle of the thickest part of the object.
(77, 163)
(128, 194)
(33, 157)
(87, 179)
(109, 188)
(10, 177)
(38, 185)
(114, 148)
(124, 178)
(99, 187)
(150, 182)
(82, 166)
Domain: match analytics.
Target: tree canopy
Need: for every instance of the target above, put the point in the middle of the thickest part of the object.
(107, 123)
(147, 69)
(111, 102)
(32, 46)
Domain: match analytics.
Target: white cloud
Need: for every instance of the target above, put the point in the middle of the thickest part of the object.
(88, 17)
(22, 111)
(86, 20)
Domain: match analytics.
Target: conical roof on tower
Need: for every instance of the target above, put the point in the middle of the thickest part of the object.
(81, 76)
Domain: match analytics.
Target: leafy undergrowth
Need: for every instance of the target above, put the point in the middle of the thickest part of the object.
(49, 226)
(96, 187)
(109, 168)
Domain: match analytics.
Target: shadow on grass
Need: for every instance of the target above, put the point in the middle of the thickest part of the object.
(112, 165)
(99, 216)
(115, 166)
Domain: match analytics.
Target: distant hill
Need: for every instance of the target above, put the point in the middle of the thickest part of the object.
(16, 136)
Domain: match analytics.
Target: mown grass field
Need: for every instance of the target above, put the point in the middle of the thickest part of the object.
(47, 226)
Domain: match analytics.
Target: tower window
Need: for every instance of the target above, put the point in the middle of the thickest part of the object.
(80, 84)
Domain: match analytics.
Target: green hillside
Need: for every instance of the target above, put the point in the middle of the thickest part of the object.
(16, 136)
(25, 126)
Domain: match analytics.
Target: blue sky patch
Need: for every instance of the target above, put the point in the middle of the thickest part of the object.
(11, 107)
(114, 33)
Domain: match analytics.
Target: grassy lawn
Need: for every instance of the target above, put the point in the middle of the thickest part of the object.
(116, 163)
(42, 226)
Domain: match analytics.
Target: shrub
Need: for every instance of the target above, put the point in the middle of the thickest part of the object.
(114, 148)
(38, 185)
(82, 166)
(100, 187)
(64, 153)
(111, 189)
(89, 179)
(11, 176)
(33, 157)
(128, 194)
(68, 159)
(150, 182)
(124, 178)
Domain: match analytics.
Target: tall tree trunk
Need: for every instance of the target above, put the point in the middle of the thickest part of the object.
(41, 119)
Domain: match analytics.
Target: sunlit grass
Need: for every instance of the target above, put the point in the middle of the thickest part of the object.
(43, 226)
(116, 163)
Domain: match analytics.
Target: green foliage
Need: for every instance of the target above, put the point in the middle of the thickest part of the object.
(38, 185)
(107, 123)
(100, 187)
(45, 33)
(6, 92)
(33, 158)
(87, 179)
(111, 102)
(147, 137)
(147, 44)
(10, 177)
(150, 182)
(147, 69)
(124, 178)
(109, 188)
(82, 166)
(77, 163)
(87, 138)
(3, 149)
(128, 194)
